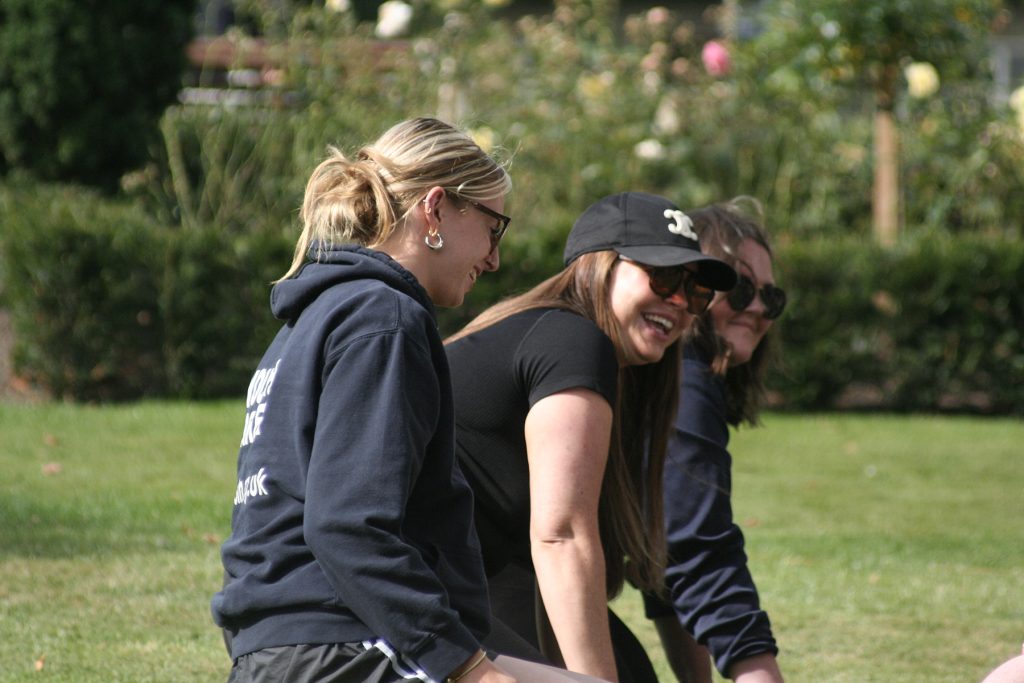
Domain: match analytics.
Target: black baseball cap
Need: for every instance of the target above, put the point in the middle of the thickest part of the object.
(648, 229)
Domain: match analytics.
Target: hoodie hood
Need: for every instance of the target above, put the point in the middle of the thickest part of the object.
(336, 265)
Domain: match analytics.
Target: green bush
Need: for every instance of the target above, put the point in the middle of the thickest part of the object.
(234, 169)
(215, 308)
(589, 103)
(108, 304)
(934, 325)
(82, 279)
(83, 85)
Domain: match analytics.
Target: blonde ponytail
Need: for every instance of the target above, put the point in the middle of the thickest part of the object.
(366, 199)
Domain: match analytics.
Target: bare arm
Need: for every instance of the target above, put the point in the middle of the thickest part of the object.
(1010, 671)
(691, 663)
(757, 669)
(567, 436)
(689, 660)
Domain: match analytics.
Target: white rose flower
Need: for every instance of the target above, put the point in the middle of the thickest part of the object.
(922, 79)
(649, 150)
(338, 5)
(1017, 105)
(666, 118)
(393, 19)
(1017, 100)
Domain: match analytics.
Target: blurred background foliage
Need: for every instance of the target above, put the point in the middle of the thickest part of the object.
(772, 99)
(82, 85)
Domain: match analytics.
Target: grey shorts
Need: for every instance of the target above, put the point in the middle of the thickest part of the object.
(331, 663)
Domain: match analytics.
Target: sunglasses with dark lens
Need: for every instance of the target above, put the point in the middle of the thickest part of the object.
(667, 280)
(742, 295)
(498, 231)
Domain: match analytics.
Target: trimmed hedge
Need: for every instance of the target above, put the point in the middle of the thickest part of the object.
(82, 282)
(109, 305)
(933, 325)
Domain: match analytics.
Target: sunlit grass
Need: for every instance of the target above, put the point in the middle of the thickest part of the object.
(885, 548)
(112, 523)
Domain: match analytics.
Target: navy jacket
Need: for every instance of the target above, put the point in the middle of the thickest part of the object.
(707, 578)
(352, 520)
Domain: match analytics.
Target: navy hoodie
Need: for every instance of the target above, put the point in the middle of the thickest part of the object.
(707, 577)
(352, 520)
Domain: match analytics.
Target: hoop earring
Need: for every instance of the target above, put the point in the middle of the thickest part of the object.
(437, 243)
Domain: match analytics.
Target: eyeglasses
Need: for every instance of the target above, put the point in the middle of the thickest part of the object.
(741, 296)
(667, 280)
(498, 231)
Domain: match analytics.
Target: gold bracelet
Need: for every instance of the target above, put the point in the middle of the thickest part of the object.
(476, 662)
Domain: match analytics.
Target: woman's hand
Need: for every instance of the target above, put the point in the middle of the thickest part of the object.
(488, 672)
(479, 669)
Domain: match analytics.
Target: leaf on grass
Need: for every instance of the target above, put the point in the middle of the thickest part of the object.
(51, 468)
(212, 539)
(51, 440)
(40, 663)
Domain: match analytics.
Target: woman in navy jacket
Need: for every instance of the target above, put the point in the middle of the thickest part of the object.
(353, 555)
(711, 590)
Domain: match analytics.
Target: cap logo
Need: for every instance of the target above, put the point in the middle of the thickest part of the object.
(681, 224)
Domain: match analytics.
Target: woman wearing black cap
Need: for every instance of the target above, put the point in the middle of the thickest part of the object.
(561, 395)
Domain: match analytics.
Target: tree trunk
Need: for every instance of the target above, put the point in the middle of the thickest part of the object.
(886, 195)
(885, 200)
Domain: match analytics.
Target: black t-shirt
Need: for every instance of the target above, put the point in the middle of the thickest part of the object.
(498, 374)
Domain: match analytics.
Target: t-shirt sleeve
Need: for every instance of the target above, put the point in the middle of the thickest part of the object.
(563, 350)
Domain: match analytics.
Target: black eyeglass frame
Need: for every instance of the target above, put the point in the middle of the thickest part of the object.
(698, 297)
(742, 295)
(503, 220)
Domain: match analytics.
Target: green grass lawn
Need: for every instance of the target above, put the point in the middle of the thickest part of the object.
(886, 548)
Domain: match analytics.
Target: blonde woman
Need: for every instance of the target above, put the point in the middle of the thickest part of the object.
(352, 554)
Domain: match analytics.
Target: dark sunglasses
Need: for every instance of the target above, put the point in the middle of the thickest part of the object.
(667, 280)
(741, 296)
(498, 231)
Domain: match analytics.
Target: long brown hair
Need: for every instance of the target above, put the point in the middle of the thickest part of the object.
(722, 228)
(631, 516)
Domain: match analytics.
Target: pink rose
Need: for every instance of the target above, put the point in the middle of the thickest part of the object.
(716, 58)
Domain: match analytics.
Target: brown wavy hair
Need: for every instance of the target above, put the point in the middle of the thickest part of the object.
(630, 509)
(722, 228)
